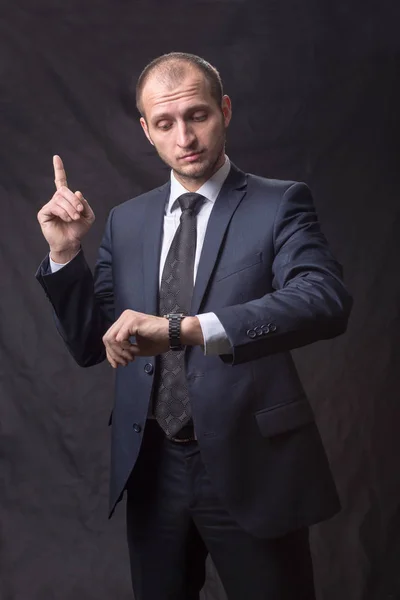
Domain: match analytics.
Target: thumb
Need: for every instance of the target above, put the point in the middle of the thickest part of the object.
(124, 333)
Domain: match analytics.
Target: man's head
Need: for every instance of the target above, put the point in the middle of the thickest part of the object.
(184, 115)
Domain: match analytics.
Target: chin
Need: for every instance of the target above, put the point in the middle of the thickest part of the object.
(196, 171)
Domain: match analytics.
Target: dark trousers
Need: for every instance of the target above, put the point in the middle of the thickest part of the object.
(174, 519)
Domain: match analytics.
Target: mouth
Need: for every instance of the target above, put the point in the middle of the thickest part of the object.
(191, 157)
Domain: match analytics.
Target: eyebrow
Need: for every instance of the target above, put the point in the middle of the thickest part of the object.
(191, 109)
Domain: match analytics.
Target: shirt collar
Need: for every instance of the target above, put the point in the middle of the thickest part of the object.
(210, 189)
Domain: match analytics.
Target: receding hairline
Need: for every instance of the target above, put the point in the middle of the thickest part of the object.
(171, 74)
(171, 69)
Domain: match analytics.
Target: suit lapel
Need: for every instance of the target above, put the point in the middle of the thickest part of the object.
(152, 238)
(225, 205)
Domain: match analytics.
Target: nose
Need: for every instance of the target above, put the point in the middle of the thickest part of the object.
(186, 135)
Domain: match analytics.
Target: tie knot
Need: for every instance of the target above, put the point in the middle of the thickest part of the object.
(190, 201)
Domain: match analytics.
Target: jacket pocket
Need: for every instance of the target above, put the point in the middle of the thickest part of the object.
(244, 263)
(284, 417)
(110, 418)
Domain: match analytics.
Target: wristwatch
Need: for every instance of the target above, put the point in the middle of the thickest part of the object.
(174, 330)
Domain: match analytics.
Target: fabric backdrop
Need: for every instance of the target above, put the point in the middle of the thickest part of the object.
(315, 93)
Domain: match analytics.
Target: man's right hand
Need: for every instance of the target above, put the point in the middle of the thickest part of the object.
(65, 219)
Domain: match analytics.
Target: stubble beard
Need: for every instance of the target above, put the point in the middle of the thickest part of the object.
(195, 174)
(207, 170)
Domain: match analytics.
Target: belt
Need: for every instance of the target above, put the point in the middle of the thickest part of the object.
(185, 435)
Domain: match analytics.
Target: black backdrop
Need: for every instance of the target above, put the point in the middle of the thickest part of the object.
(316, 97)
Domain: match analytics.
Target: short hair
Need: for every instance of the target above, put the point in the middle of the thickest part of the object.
(169, 68)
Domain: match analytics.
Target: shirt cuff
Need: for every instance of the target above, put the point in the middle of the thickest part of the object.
(215, 338)
(54, 267)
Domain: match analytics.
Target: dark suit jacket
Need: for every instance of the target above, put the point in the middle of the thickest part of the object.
(268, 274)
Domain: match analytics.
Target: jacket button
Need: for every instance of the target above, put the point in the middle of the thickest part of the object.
(265, 329)
(251, 333)
(148, 368)
(258, 330)
(272, 326)
(136, 428)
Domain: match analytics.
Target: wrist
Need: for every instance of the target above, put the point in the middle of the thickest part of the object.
(64, 256)
(191, 332)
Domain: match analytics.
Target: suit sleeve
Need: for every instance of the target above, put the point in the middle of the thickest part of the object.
(310, 301)
(83, 305)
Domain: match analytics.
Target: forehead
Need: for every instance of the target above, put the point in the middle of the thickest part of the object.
(161, 95)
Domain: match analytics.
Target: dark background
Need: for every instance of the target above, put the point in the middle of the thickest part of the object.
(315, 92)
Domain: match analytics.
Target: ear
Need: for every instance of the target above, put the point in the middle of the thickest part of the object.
(145, 129)
(226, 107)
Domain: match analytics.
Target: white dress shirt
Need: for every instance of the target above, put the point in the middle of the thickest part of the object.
(215, 338)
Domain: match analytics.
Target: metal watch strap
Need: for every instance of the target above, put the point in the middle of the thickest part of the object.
(174, 330)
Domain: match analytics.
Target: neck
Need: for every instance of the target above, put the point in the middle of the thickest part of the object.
(192, 185)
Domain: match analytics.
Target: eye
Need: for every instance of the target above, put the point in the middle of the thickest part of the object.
(164, 125)
(199, 116)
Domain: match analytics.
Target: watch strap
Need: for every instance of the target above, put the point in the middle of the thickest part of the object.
(174, 330)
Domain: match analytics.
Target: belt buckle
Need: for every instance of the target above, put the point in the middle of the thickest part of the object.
(181, 440)
(190, 435)
(177, 440)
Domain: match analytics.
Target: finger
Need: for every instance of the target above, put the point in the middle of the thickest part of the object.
(111, 361)
(60, 177)
(125, 332)
(60, 212)
(125, 354)
(119, 354)
(130, 353)
(134, 351)
(126, 344)
(86, 208)
(82, 204)
(64, 198)
(114, 358)
(46, 212)
(63, 194)
(109, 336)
(67, 206)
(112, 332)
(66, 194)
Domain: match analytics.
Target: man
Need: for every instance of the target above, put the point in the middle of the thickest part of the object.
(201, 289)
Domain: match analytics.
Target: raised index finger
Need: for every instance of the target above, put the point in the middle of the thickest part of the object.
(60, 177)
